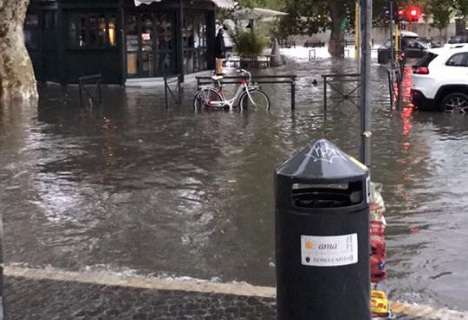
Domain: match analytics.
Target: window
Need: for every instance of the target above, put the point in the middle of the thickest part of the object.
(92, 31)
(426, 60)
(458, 60)
(195, 43)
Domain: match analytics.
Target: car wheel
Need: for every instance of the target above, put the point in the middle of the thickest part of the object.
(455, 103)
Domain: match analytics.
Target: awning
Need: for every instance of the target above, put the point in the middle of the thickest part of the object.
(224, 4)
(257, 13)
(139, 2)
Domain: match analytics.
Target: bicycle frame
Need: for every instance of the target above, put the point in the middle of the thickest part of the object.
(225, 102)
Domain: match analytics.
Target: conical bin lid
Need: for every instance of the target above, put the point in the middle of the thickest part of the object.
(322, 161)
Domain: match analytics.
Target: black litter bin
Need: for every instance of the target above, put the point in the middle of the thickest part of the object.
(322, 236)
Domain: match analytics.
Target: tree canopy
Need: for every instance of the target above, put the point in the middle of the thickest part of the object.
(311, 16)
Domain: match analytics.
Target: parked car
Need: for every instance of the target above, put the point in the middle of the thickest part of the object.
(458, 39)
(412, 45)
(440, 80)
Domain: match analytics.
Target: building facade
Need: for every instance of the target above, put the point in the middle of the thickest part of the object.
(68, 39)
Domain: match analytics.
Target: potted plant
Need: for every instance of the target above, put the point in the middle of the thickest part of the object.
(249, 45)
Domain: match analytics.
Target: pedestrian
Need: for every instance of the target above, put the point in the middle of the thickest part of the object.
(220, 51)
(220, 47)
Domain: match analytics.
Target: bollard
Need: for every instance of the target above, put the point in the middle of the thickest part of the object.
(322, 236)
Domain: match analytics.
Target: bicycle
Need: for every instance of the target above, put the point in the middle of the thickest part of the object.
(248, 96)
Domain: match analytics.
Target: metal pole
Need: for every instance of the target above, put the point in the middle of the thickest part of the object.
(325, 107)
(366, 36)
(99, 91)
(166, 100)
(80, 89)
(180, 40)
(390, 87)
(179, 89)
(392, 46)
(400, 80)
(293, 94)
(398, 39)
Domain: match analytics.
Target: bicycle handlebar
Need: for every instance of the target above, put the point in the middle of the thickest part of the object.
(246, 72)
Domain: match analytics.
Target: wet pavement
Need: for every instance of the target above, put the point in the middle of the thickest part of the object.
(55, 300)
(93, 302)
(133, 188)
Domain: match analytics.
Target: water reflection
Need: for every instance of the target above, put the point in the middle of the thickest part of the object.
(132, 186)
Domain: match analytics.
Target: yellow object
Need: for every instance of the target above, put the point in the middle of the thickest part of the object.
(112, 35)
(397, 39)
(379, 304)
(132, 64)
(219, 66)
(357, 31)
(309, 245)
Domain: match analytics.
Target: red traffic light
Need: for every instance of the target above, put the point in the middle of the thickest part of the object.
(413, 13)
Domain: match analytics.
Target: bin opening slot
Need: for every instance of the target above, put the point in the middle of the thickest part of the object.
(327, 195)
(337, 186)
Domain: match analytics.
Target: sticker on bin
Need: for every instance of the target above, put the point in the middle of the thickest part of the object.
(330, 251)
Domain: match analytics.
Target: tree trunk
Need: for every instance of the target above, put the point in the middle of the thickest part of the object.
(17, 79)
(337, 14)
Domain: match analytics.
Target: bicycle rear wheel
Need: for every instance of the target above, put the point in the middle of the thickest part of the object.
(258, 101)
(203, 97)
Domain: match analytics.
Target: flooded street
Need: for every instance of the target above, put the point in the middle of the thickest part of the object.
(132, 187)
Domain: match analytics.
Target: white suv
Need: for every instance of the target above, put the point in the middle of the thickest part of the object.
(440, 80)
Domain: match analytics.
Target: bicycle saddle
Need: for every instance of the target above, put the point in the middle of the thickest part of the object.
(216, 77)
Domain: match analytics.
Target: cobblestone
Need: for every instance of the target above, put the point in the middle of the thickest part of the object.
(63, 300)
(49, 299)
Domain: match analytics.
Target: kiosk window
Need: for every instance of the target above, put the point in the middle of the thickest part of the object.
(91, 31)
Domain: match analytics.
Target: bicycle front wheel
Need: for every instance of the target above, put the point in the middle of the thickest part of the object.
(203, 97)
(258, 101)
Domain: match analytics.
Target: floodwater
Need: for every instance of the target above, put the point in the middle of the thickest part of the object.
(132, 187)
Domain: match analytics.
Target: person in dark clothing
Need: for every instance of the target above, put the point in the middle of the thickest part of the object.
(220, 47)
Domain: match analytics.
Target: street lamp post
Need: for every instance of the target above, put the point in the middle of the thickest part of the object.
(392, 26)
(366, 38)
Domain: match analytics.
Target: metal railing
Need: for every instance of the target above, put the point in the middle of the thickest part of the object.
(90, 87)
(395, 79)
(351, 93)
(264, 79)
(345, 93)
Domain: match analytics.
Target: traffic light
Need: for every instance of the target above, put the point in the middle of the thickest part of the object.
(401, 15)
(410, 13)
(413, 13)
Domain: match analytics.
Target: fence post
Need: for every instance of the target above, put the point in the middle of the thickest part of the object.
(293, 93)
(390, 86)
(80, 89)
(99, 91)
(180, 79)
(165, 92)
(325, 95)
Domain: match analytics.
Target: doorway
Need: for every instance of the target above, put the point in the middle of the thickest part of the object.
(150, 44)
